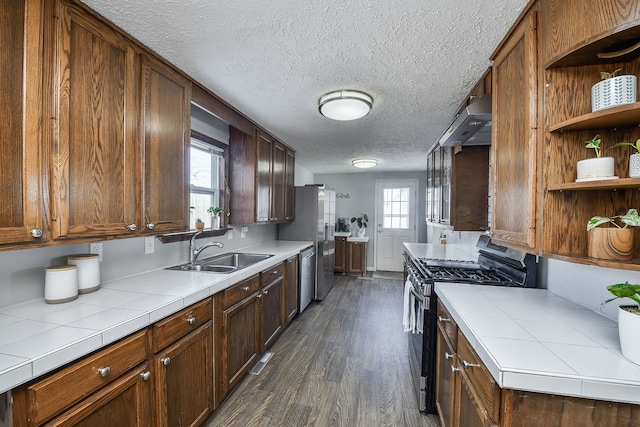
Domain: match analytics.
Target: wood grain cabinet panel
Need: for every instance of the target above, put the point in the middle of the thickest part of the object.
(357, 258)
(95, 131)
(271, 281)
(263, 177)
(167, 130)
(184, 380)
(290, 189)
(514, 139)
(340, 258)
(21, 155)
(290, 292)
(445, 397)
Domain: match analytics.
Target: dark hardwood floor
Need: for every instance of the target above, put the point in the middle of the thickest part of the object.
(342, 362)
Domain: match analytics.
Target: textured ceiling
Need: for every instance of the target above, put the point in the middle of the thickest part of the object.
(273, 59)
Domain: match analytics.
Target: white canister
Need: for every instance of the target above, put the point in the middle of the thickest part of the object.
(88, 271)
(61, 284)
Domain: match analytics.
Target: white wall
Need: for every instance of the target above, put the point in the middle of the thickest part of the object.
(22, 271)
(356, 193)
(303, 176)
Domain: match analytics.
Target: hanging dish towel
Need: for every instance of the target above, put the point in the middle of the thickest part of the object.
(409, 314)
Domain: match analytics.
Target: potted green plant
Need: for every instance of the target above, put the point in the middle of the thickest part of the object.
(628, 319)
(595, 168)
(362, 223)
(215, 216)
(613, 90)
(615, 241)
(199, 224)
(634, 159)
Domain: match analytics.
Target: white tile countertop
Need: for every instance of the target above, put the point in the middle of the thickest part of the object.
(448, 252)
(341, 234)
(364, 239)
(535, 340)
(36, 337)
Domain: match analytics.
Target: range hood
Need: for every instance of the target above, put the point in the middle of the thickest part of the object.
(472, 125)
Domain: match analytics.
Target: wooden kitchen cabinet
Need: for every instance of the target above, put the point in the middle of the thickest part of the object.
(21, 156)
(183, 366)
(357, 258)
(446, 341)
(572, 66)
(96, 111)
(514, 137)
(271, 281)
(238, 323)
(261, 177)
(167, 132)
(110, 387)
(290, 286)
(340, 255)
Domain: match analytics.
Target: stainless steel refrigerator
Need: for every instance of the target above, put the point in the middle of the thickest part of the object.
(315, 221)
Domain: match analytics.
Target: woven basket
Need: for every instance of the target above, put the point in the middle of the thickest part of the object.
(613, 92)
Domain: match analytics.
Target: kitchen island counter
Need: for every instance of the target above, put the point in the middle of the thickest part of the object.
(534, 340)
(36, 337)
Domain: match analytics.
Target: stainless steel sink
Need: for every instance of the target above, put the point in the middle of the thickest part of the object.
(235, 259)
(224, 263)
(201, 267)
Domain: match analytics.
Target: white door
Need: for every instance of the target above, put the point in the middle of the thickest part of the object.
(395, 221)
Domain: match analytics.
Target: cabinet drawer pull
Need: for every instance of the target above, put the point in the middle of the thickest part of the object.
(151, 226)
(266, 291)
(259, 295)
(191, 320)
(448, 355)
(274, 272)
(146, 375)
(165, 360)
(469, 365)
(443, 319)
(454, 369)
(36, 232)
(246, 289)
(132, 227)
(104, 371)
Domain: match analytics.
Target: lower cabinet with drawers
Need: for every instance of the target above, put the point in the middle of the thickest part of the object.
(173, 373)
(468, 396)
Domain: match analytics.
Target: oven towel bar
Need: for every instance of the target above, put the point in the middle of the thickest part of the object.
(412, 318)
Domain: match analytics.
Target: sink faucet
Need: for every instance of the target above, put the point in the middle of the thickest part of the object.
(193, 252)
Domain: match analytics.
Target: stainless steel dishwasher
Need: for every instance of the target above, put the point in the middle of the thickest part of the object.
(307, 277)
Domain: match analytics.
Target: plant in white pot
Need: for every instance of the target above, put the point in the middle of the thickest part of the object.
(634, 159)
(362, 224)
(215, 216)
(614, 242)
(613, 90)
(597, 168)
(628, 319)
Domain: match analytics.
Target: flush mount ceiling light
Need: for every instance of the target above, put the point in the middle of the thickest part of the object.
(364, 163)
(345, 105)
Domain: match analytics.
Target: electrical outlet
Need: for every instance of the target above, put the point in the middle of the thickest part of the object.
(230, 234)
(149, 247)
(96, 248)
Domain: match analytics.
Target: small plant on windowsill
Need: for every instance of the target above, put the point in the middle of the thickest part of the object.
(215, 216)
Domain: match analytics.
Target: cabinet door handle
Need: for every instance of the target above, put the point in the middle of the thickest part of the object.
(454, 369)
(274, 272)
(165, 360)
(448, 355)
(246, 289)
(105, 371)
(469, 365)
(132, 227)
(259, 295)
(151, 226)
(443, 319)
(146, 375)
(191, 320)
(266, 291)
(36, 232)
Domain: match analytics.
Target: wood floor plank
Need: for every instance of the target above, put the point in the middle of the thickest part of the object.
(342, 362)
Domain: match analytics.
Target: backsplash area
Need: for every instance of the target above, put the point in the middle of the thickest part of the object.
(22, 271)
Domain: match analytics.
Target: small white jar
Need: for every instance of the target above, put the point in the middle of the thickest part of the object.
(61, 284)
(88, 271)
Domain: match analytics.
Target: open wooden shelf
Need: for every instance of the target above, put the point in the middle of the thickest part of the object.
(609, 184)
(623, 116)
(634, 264)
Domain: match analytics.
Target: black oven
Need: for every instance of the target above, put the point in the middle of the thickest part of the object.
(496, 266)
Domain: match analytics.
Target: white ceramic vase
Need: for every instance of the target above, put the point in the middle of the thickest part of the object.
(612, 92)
(628, 327)
(360, 232)
(634, 165)
(596, 168)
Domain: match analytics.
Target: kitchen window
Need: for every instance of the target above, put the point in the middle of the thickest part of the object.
(207, 177)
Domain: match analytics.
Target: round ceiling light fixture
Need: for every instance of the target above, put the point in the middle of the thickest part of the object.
(364, 163)
(345, 104)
